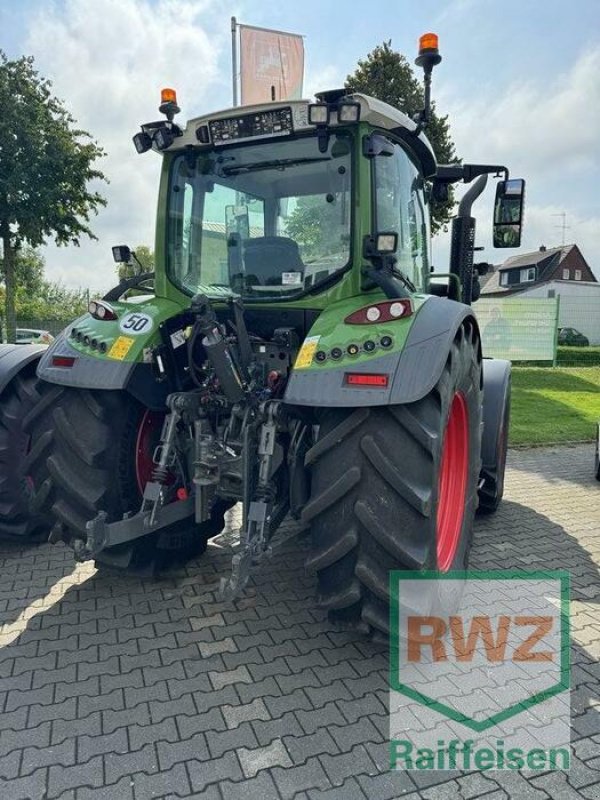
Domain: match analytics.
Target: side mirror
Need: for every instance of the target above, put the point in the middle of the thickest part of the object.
(508, 213)
(121, 254)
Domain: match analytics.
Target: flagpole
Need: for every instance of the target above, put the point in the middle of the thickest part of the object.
(234, 59)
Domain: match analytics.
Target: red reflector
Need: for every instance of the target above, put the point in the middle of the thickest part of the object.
(63, 361)
(182, 493)
(366, 379)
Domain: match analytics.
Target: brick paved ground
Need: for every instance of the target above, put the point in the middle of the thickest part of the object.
(133, 688)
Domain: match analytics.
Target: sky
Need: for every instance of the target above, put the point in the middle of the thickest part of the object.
(518, 80)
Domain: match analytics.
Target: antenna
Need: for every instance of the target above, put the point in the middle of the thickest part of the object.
(563, 225)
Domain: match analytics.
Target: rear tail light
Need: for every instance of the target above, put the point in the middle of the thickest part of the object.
(99, 309)
(63, 361)
(367, 379)
(388, 311)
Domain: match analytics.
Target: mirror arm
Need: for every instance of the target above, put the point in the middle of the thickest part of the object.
(453, 173)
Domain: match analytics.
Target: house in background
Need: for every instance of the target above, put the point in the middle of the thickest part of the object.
(551, 272)
(521, 273)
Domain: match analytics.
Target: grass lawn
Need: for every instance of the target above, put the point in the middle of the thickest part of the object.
(554, 404)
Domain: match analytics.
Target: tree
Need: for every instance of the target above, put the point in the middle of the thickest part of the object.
(29, 271)
(40, 303)
(386, 75)
(144, 256)
(46, 164)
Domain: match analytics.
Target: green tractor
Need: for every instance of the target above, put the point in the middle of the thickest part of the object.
(293, 355)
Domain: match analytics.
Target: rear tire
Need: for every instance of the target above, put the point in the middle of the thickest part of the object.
(94, 465)
(23, 513)
(382, 498)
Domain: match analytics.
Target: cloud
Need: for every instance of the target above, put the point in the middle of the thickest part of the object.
(108, 60)
(547, 132)
(534, 124)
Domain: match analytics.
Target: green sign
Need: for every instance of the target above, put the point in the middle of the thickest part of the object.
(519, 329)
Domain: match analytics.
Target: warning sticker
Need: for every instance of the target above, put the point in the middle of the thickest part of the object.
(177, 339)
(307, 352)
(120, 348)
(291, 278)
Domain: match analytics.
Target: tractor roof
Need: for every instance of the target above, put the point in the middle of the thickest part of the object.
(373, 111)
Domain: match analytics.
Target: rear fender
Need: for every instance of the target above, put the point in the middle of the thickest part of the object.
(122, 363)
(411, 372)
(14, 358)
(496, 394)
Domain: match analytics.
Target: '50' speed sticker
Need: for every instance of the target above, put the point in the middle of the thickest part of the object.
(136, 323)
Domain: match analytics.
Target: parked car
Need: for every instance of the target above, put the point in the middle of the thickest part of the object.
(33, 336)
(572, 337)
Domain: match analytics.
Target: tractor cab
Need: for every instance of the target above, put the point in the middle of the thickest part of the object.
(274, 203)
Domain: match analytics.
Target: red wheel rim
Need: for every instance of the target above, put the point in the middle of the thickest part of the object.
(148, 437)
(453, 482)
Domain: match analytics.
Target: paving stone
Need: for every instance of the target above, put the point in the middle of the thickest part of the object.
(32, 787)
(67, 710)
(296, 779)
(88, 746)
(174, 782)
(258, 689)
(171, 753)
(70, 728)
(261, 787)
(221, 679)
(211, 720)
(60, 778)
(113, 700)
(234, 715)
(134, 696)
(320, 718)
(29, 737)
(139, 735)
(43, 696)
(286, 725)
(340, 767)
(36, 757)
(122, 790)
(387, 785)
(294, 701)
(359, 732)
(204, 772)
(9, 765)
(350, 790)
(111, 720)
(219, 742)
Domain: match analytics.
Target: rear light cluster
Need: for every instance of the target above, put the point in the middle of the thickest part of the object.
(101, 310)
(354, 349)
(88, 341)
(388, 311)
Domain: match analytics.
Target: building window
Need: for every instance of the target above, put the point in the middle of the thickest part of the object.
(504, 279)
(527, 275)
(577, 274)
(566, 275)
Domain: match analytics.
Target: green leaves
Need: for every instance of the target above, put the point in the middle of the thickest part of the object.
(387, 75)
(46, 166)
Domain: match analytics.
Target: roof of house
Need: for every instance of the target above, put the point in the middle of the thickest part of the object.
(548, 259)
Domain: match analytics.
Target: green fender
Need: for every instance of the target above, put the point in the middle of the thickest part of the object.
(412, 370)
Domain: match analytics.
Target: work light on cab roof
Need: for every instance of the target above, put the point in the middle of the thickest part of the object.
(160, 134)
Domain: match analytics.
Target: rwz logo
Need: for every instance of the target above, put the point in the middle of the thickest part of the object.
(461, 638)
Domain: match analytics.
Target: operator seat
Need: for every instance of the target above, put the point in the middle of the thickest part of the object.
(267, 257)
